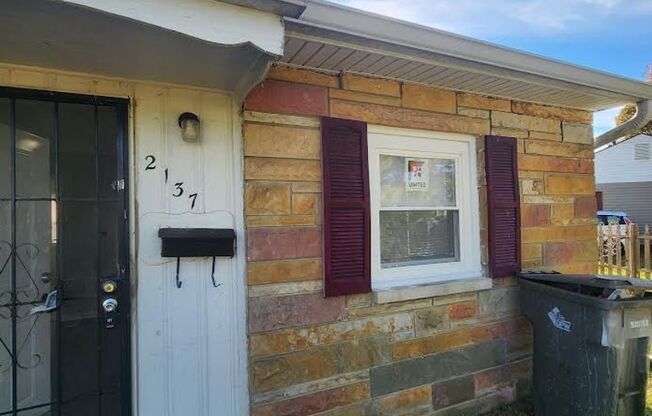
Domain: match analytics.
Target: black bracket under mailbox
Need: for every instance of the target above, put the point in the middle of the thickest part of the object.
(197, 242)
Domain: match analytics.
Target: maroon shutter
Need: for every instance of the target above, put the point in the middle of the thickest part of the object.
(347, 254)
(504, 206)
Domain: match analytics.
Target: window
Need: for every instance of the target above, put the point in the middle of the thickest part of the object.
(424, 207)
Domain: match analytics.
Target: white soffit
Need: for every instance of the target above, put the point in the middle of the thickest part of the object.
(335, 38)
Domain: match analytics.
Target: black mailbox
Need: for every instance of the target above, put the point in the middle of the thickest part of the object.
(197, 242)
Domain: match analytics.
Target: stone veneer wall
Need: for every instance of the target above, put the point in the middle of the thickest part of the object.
(459, 354)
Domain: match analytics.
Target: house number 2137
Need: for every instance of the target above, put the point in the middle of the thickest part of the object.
(179, 190)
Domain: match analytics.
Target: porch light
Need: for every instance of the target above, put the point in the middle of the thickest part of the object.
(190, 127)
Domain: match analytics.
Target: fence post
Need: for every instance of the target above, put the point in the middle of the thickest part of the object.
(600, 251)
(633, 262)
(646, 252)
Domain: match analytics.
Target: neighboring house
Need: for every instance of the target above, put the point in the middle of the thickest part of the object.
(384, 183)
(623, 173)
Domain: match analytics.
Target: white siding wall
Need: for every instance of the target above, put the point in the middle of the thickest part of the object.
(617, 165)
(189, 354)
(635, 198)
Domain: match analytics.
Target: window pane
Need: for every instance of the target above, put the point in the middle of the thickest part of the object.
(107, 130)
(35, 269)
(35, 250)
(111, 202)
(39, 411)
(5, 150)
(410, 238)
(77, 151)
(34, 148)
(6, 368)
(79, 330)
(34, 357)
(6, 353)
(6, 250)
(411, 181)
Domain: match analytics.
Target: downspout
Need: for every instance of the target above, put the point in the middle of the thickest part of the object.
(641, 118)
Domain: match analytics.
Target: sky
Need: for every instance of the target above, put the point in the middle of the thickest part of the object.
(608, 35)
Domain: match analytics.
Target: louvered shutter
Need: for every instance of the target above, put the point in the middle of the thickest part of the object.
(504, 206)
(346, 207)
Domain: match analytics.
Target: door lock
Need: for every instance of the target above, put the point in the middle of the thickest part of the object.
(109, 286)
(110, 305)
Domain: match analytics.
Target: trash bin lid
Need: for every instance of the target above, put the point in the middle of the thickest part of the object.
(609, 288)
(589, 280)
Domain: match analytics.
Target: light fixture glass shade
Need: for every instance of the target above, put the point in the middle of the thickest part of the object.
(190, 127)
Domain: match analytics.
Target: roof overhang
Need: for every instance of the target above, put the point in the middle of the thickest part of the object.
(336, 38)
(206, 44)
(287, 8)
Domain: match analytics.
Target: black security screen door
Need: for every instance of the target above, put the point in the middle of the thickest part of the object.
(64, 289)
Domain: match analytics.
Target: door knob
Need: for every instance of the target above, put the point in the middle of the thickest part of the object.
(110, 305)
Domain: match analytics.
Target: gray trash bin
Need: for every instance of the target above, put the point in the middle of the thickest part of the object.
(591, 337)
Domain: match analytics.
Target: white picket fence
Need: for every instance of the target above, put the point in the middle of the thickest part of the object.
(624, 251)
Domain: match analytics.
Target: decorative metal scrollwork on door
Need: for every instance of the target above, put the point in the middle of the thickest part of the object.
(31, 251)
(22, 296)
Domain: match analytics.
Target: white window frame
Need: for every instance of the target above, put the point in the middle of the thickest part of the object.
(427, 144)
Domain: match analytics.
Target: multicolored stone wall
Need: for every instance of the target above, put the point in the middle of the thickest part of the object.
(455, 354)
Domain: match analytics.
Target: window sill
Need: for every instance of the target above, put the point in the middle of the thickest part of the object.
(451, 287)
